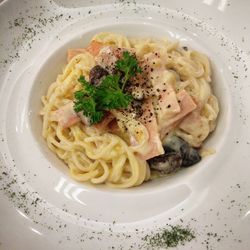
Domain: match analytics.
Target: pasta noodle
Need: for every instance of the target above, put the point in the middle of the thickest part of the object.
(104, 157)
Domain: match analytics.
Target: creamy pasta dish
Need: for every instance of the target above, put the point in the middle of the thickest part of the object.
(126, 110)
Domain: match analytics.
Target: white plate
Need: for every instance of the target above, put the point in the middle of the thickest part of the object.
(42, 208)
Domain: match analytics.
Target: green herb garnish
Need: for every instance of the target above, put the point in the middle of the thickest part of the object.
(94, 100)
(110, 95)
(85, 101)
(170, 237)
(129, 66)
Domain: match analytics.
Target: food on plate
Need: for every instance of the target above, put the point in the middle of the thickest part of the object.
(127, 109)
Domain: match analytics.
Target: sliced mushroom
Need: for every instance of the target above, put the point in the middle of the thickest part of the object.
(96, 74)
(190, 155)
(166, 163)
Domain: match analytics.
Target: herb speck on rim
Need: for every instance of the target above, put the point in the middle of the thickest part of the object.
(170, 237)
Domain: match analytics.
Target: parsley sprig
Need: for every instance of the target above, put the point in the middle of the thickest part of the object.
(129, 66)
(110, 95)
(93, 101)
(85, 101)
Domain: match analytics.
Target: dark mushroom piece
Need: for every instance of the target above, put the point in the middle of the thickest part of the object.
(166, 163)
(96, 74)
(178, 153)
(190, 155)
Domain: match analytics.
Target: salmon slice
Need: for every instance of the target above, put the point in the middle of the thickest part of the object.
(93, 48)
(187, 105)
(74, 52)
(149, 120)
(168, 105)
(109, 55)
(113, 127)
(104, 123)
(66, 116)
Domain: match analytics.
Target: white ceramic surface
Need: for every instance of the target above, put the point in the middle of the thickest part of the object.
(43, 208)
